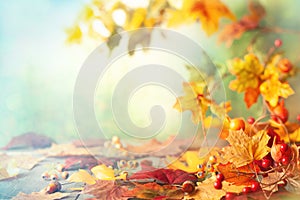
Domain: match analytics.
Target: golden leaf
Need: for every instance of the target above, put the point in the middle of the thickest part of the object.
(102, 172)
(82, 176)
(295, 136)
(137, 19)
(74, 34)
(245, 149)
(270, 183)
(194, 100)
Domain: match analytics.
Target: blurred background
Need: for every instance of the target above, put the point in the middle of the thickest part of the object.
(38, 69)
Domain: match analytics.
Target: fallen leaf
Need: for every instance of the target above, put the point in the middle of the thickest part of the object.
(188, 162)
(270, 183)
(244, 149)
(102, 172)
(29, 140)
(246, 23)
(40, 195)
(153, 190)
(23, 161)
(4, 174)
(83, 177)
(81, 162)
(105, 189)
(238, 176)
(167, 176)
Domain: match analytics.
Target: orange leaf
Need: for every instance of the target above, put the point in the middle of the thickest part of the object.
(238, 176)
(251, 96)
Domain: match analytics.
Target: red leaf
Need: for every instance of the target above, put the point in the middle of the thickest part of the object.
(251, 96)
(168, 176)
(81, 162)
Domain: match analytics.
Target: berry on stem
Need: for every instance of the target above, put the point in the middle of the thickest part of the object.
(283, 147)
(237, 124)
(285, 160)
(230, 195)
(220, 177)
(278, 43)
(188, 187)
(251, 120)
(247, 190)
(266, 163)
(255, 186)
(218, 185)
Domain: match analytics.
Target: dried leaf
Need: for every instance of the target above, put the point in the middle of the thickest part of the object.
(82, 176)
(153, 190)
(23, 161)
(4, 174)
(168, 176)
(245, 149)
(251, 96)
(105, 189)
(238, 176)
(40, 195)
(81, 162)
(29, 140)
(246, 23)
(103, 172)
(270, 183)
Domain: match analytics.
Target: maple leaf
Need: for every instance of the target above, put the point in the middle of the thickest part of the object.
(251, 96)
(272, 89)
(153, 190)
(244, 149)
(238, 175)
(168, 176)
(40, 195)
(246, 23)
(270, 183)
(105, 189)
(247, 71)
(188, 162)
(194, 100)
(82, 176)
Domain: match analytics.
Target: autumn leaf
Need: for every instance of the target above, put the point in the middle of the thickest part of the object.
(153, 190)
(209, 12)
(247, 71)
(194, 100)
(246, 23)
(295, 136)
(238, 175)
(272, 89)
(167, 176)
(81, 162)
(270, 182)
(83, 177)
(74, 34)
(40, 195)
(244, 149)
(106, 189)
(102, 172)
(188, 162)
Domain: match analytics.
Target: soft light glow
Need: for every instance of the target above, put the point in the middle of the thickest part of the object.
(119, 16)
(135, 3)
(100, 28)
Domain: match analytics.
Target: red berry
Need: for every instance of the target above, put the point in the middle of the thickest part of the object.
(247, 190)
(255, 186)
(283, 147)
(251, 120)
(282, 183)
(218, 185)
(285, 160)
(298, 117)
(278, 42)
(230, 196)
(266, 163)
(220, 177)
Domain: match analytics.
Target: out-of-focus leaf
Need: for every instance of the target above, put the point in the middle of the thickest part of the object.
(80, 162)
(102, 172)
(244, 149)
(23, 161)
(113, 41)
(29, 140)
(238, 175)
(153, 190)
(74, 34)
(251, 96)
(137, 18)
(105, 189)
(194, 100)
(40, 195)
(248, 22)
(139, 37)
(82, 176)
(4, 174)
(167, 176)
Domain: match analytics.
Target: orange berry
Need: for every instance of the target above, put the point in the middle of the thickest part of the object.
(285, 65)
(53, 187)
(188, 187)
(237, 124)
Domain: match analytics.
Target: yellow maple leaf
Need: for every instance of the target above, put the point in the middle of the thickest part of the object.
(295, 136)
(244, 149)
(74, 34)
(102, 172)
(272, 89)
(82, 176)
(194, 100)
(247, 71)
(137, 19)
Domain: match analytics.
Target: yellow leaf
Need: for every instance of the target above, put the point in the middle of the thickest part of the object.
(188, 162)
(137, 19)
(194, 100)
(247, 71)
(103, 172)
(244, 149)
(295, 136)
(180, 16)
(272, 89)
(82, 176)
(74, 34)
